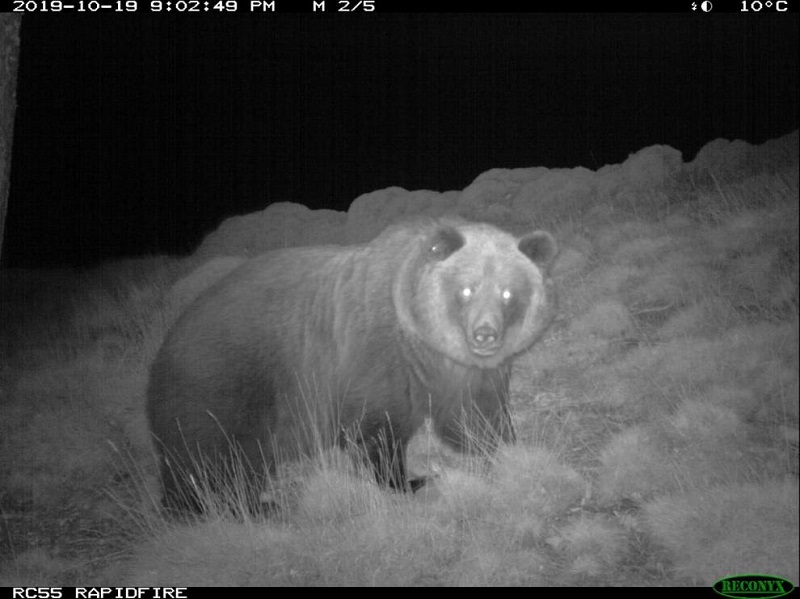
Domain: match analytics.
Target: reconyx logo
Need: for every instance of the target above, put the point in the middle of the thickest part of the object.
(760, 586)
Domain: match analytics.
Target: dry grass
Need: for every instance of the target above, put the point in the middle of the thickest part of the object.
(657, 422)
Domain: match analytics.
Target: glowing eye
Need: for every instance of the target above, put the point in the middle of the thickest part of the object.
(506, 294)
(466, 292)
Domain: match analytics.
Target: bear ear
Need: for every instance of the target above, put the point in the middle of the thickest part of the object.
(445, 242)
(540, 247)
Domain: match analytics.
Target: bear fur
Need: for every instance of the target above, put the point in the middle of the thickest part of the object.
(316, 346)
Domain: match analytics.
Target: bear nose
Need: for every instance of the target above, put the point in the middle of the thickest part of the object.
(485, 335)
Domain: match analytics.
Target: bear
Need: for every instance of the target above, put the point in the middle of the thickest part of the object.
(320, 346)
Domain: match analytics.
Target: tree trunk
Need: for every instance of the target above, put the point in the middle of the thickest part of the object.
(9, 59)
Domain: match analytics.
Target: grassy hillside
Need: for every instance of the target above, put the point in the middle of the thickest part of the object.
(658, 426)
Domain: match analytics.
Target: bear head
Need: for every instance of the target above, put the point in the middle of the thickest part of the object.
(476, 294)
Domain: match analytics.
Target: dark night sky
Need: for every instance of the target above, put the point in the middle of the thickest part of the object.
(139, 133)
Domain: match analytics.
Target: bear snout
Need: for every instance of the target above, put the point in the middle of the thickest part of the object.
(485, 340)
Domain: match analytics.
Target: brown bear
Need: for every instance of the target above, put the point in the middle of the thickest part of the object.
(313, 346)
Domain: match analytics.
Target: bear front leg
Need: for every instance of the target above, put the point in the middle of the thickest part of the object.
(387, 457)
(480, 419)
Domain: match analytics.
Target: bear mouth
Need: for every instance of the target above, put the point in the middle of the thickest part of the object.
(484, 352)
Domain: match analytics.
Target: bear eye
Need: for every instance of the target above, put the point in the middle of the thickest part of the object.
(466, 293)
(506, 295)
